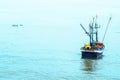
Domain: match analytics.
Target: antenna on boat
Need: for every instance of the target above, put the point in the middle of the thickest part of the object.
(106, 28)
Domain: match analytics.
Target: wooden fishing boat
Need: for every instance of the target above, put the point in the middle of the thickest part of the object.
(95, 48)
(94, 51)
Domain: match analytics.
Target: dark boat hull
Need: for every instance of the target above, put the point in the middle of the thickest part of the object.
(92, 54)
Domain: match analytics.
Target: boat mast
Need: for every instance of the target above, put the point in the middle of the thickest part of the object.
(96, 27)
(92, 25)
(91, 32)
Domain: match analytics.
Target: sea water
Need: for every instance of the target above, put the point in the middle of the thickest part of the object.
(47, 45)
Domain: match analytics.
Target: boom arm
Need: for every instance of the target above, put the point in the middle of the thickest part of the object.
(84, 29)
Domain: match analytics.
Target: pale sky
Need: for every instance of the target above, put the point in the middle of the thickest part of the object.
(61, 5)
(53, 9)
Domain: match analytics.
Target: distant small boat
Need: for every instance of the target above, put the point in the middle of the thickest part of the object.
(93, 49)
(17, 25)
(21, 24)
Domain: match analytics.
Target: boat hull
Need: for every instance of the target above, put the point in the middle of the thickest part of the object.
(91, 54)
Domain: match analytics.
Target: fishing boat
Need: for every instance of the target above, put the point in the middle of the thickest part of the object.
(95, 48)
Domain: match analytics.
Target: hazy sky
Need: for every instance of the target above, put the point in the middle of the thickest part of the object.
(50, 10)
(68, 5)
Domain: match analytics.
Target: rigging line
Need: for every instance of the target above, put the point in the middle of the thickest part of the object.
(106, 28)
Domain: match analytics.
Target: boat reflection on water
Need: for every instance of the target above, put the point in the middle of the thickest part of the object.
(89, 65)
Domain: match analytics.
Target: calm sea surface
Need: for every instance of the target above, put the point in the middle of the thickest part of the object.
(47, 46)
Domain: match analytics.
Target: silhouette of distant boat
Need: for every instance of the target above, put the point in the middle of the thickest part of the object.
(17, 25)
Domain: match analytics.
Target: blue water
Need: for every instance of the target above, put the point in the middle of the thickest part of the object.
(47, 46)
